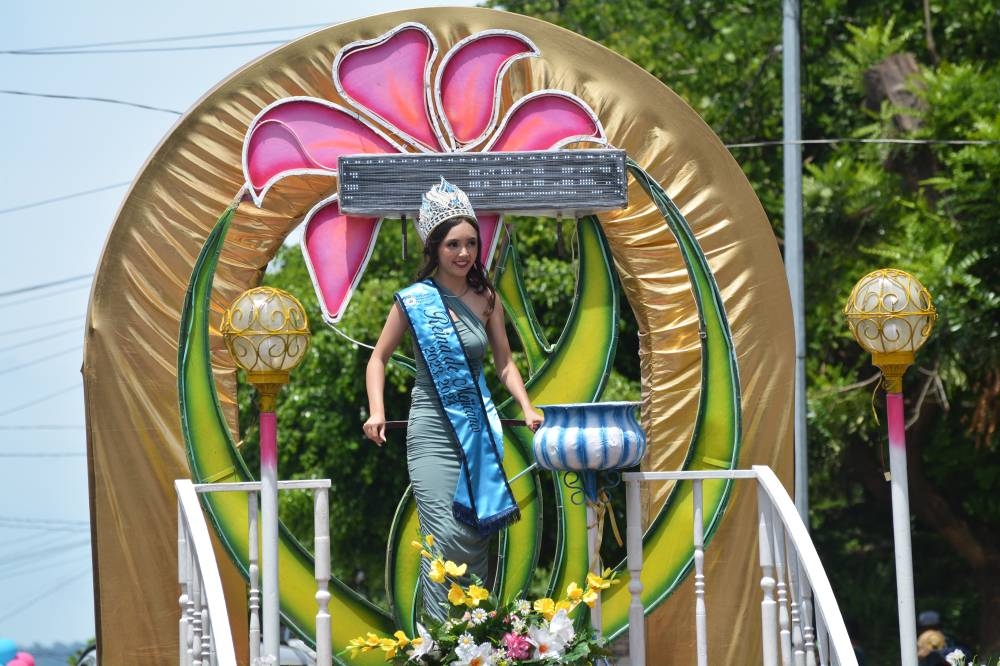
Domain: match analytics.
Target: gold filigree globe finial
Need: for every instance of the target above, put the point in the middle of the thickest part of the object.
(891, 316)
(267, 333)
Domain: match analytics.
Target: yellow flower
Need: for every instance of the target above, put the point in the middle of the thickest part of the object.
(357, 645)
(389, 647)
(401, 639)
(437, 571)
(456, 595)
(565, 605)
(423, 551)
(372, 641)
(598, 582)
(455, 569)
(589, 597)
(430, 540)
(546, 607)
(476, 594)
(574, 592)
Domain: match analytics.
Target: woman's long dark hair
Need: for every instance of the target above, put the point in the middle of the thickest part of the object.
(476, 278)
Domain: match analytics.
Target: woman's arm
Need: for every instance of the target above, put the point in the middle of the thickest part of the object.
(388, 340)
(507, 370)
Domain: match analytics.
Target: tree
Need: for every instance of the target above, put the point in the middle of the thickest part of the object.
(927, 209)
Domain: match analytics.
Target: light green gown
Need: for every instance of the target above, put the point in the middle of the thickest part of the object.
(432, 456)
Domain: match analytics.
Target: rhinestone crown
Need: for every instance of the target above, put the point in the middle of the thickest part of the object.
(441, 203)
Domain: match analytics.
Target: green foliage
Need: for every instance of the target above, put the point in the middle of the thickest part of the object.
(929, 209)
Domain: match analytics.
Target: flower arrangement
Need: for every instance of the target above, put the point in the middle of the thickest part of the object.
(957, 658)
(479, 632)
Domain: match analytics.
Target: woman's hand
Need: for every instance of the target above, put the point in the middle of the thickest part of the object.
(533, 418)
(374, 428)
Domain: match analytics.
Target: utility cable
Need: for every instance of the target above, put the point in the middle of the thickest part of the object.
(28, 343)
(64, 197)
(35, 598)
(35, 327)
(40, 427)
(52, 454)
(40, 359)
(45, 285)
(107, 100)
(156, 40)
(152, 49)
(33, 299)
(49, 396)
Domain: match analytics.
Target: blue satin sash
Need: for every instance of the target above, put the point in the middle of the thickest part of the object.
(483, 499)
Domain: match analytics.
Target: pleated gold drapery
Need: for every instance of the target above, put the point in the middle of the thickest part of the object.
(135, 445)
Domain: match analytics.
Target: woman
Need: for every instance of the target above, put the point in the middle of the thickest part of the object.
(454, 441)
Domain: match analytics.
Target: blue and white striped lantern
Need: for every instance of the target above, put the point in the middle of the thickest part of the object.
(589, 437)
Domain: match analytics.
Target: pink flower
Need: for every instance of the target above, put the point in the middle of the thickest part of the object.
(387, 82)
(518, 647)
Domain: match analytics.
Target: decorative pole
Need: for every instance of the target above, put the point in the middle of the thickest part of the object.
(891, 316)
(267, 333)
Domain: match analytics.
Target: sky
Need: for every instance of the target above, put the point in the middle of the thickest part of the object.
(63, 174)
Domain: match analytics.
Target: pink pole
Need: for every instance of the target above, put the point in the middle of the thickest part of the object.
(269, 532)
(901, 528)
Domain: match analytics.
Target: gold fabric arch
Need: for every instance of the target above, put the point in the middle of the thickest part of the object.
(135, 445)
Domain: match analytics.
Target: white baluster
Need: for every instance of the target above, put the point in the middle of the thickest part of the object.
(822, 640)
(784, 619)
(794, 597)
(700, 614)
(206, 630)
(321, 514)
(768, 609)
(636, 613)
(594, 558)
(183, 572)
(194, 604)
(808, 630)
(253, 575)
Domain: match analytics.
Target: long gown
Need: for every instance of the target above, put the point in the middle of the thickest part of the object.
(433, 460)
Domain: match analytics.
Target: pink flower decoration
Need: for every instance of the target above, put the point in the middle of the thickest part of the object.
(387, 80)
(518, 647)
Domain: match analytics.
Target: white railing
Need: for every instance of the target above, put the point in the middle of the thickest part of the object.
(801, 623)
(204, 641)
(205, 637)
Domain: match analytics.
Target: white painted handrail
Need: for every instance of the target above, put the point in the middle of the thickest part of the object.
(801, 623)
(205, 632)
(197, 646)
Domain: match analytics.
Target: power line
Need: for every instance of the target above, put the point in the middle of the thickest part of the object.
(35, 598)
(64, 197)
(54, 394)
(75, 329)
(106, 100)
(40, 359)
(912, 142)
(40, 427)
(44, 285)
(60, 522)
(33, 299)
(159, 40)
(152, 49)
(35, 327)
(54, 454)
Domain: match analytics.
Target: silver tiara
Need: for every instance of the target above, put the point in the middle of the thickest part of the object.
(441, 203)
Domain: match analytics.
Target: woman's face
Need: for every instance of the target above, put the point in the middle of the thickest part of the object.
(458, 250)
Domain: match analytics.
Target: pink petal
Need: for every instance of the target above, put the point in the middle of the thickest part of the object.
(544, 120)
(469, 80)
(302, 135)
(388, 77)
(489, 233)
(337, 249)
